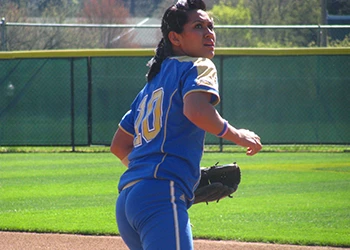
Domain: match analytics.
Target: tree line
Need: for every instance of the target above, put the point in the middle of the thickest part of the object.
(224, 12)
(155, 7)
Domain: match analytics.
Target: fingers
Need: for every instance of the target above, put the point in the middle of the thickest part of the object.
(255, 147)
(251, 141)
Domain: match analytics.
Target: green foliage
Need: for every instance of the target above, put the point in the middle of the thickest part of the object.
(274, 44)
(267, 12)
(291, 198)
(340, 43)
(298, 12)
(238, 15)
(345, 43)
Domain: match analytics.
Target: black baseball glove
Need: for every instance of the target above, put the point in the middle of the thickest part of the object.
(217, 182)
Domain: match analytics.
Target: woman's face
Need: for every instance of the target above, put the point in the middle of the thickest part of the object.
(198, 36)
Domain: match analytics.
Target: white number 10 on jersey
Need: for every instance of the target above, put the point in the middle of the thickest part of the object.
(149, 119)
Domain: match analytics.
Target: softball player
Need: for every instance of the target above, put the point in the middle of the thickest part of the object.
(161, 138)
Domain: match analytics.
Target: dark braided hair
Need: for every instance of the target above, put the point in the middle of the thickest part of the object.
(174, 19)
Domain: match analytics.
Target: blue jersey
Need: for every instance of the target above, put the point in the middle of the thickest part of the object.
(166, 144)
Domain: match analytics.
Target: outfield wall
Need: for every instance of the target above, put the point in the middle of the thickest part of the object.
(287, 96)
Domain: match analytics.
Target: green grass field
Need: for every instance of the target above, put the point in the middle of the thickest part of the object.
(290, 198)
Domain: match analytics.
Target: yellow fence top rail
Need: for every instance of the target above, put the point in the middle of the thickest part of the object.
(150, 52)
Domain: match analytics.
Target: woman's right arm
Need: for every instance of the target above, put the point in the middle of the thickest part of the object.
(199, 110)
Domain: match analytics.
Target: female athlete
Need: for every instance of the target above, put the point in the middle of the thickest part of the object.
(161, 138)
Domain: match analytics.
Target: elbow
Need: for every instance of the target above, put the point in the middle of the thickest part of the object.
(116, 149)
(120, 150)
(113, 149)
(122, 144)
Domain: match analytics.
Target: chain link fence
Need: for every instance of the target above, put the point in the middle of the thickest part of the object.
(77, 98)
(63, 98)
(45, 36)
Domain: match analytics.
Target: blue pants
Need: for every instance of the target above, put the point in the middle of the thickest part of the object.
(152, 214)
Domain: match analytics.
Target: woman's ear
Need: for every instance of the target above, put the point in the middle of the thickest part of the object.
(174, 38)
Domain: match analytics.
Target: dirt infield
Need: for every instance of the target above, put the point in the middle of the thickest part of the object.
(31, 241)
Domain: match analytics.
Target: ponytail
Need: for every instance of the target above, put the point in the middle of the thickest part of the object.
(163, 50)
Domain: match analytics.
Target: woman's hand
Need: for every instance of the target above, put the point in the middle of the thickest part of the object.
(250, 140)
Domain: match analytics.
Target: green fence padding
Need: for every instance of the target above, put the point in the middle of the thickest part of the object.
(78, 97)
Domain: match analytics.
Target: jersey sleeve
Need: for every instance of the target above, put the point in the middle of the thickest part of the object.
(127, 123)
(202, 76)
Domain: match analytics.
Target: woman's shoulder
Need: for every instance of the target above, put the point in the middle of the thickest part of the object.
(193, 61)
